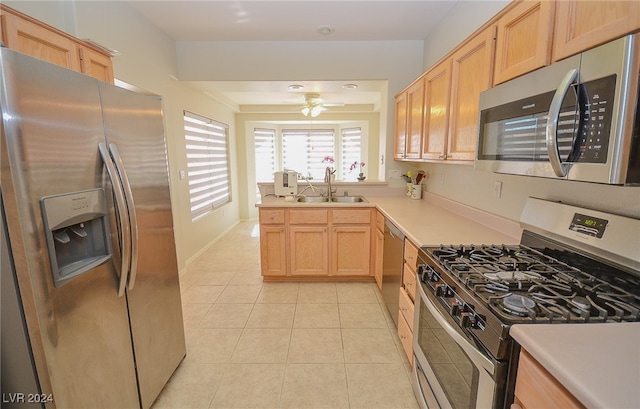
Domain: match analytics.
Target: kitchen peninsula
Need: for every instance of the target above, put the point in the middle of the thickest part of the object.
(290, 230)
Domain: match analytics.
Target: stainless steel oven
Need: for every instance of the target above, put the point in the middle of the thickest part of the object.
(573, 265)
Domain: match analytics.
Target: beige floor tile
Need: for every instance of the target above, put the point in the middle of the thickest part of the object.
(317, 293)
(192, 314)
(226, 316)
(312, 345)
(316, 316)
(202, 294)
(248, 277)
(236, 294)
(278, 293)
(369, 346)
(250, 386)
(368, 391)
(271, 316)
(209, 277)
(315, 386)
(262, 345)
(356, 293)
(211, 345)
(191, 386)
(361, 316)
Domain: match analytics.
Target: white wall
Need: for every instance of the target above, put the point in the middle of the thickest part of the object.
(475, 188)
(148, 61)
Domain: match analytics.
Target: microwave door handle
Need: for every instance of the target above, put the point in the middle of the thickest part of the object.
(130, 205)
(551, 138)
(125, 233)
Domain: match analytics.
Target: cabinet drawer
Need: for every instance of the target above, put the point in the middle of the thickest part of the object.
(308, 216)
(271, 216)
(406, 338)
(351, 216)
(380, 221)
(537, 388)
(409, 281)
(410, 254)
(406, 307)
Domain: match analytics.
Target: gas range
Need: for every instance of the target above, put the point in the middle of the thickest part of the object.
(522, 285)
(572, 266)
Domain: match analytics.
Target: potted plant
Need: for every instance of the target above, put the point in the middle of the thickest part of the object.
(360, 165)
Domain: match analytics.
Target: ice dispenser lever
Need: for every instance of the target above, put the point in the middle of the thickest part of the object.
(77, 233)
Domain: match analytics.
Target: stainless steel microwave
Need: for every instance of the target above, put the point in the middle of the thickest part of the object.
(577, 119)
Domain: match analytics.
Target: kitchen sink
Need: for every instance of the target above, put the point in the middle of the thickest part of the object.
(348, 199)
(312, 199)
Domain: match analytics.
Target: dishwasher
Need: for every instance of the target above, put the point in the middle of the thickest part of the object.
(392, 265)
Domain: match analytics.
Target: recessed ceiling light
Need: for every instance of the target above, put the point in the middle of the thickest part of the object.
(350, 86)
(294, 87)
(325, 29)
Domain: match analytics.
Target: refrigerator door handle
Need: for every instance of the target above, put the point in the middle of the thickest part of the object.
(125, 230)
(128, 195)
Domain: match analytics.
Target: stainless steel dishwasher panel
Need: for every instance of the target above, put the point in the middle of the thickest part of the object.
(392, 264)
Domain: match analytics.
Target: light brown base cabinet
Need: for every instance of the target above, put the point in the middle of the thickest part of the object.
(317, 243)
(537, 388)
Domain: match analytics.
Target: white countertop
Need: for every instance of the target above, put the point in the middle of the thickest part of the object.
(598, 363)
(432, 220)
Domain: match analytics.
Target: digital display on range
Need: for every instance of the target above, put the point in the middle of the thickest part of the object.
(589, 225)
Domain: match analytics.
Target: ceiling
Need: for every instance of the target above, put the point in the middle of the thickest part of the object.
(295, 20)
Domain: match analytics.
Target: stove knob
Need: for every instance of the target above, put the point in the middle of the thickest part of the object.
(456, 308)
(442, 290)
(464, 320)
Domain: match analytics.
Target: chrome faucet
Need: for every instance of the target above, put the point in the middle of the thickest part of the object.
(327, 179)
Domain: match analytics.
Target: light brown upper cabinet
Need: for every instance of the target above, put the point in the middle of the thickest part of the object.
(436, 118)
(523, 40)
(415, 117)
(471, 73)
(580, 25)
(37, 39)
(400, 136)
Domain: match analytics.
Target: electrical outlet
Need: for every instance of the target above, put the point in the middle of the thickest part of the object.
(442, 178)
(395, 174)
(497, 189)
(183, 174)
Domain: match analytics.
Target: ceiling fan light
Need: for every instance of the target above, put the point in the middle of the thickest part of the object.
(305, 110)
(315, 110)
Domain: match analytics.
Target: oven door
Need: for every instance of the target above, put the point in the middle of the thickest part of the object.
(450, 372)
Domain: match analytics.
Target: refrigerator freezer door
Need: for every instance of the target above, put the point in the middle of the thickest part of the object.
(134, 125)
(52, 124)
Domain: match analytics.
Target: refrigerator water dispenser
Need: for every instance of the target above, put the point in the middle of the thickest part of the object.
(76, 229)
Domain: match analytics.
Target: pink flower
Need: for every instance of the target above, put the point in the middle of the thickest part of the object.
(355, 165)
(328, 159)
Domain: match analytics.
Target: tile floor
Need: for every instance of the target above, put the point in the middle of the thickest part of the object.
(282, 345)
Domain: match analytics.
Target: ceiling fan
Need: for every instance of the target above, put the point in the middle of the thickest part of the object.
(314, 106)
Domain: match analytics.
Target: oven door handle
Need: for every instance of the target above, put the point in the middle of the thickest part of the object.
(478, 359)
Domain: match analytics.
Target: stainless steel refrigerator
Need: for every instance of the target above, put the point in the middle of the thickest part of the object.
(89, 263)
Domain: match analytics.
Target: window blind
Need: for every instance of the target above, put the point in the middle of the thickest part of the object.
(351, 144)
(304, 151)
(265, 154)
(207, 163)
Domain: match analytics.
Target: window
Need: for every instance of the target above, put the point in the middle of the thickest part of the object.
(351, 147)
(265, 153)
(207, 163)
(304, 150)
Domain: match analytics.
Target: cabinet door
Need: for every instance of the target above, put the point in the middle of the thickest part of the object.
(96, 64)
(523, 40)
(273, 255)
(581, 25)
(415, 118)
(472, 73)
(33, 39)
(436, 116)
(351, 250)
(379, 255)
(309, 250)
(400, 137)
